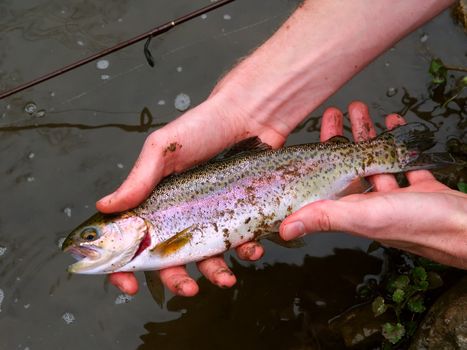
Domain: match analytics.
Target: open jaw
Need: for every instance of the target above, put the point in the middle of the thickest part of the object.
(80, 253)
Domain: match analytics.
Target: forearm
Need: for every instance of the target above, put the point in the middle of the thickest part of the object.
(319, 48)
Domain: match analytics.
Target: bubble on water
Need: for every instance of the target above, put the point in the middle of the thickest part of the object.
(30, 108)
(60, 242)
(204, 16)
(67, 212)
(161, 102)
(3, 250)
(227, 17)
(102, 64)
(424, 38)
(40, 113)
(8, 107)
(105, 77)
(68, 317)
(120, 165)
(391, 92)
(27, 306)
(179, 69)
(52, 93)
(123, 299)
(182, 102)
(2, 296)
(387, 64)
(320, 303)
(31, 155)
(120, 20)
(3, 115)
(30, 179)
(80, 43)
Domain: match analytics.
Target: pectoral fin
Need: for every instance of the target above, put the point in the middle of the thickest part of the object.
(174, 243)
(295, 243)
(155, 286)
(359, 185)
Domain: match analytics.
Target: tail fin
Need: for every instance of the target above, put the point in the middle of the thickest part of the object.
(411, 141)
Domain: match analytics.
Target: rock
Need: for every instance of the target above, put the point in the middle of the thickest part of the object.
(445, 325)
(359, 327)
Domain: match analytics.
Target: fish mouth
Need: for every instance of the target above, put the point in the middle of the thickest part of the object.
(80, 253)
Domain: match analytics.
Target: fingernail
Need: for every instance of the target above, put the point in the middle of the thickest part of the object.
(106, 200)
(293, 230)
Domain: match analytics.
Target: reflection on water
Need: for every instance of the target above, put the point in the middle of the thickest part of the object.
(145, 124)
(72, 23)
(279, 306)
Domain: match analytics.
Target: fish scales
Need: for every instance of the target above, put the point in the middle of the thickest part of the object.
(219, 205)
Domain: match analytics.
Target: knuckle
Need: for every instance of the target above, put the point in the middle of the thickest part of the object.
(323, 221)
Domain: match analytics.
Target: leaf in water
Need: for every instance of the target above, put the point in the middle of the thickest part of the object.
(419, 274)
(462, 186)
(434, 280)
(393, 332)
(398, 296)
(438, 71)
(401, 282)
(415, 304)
(373, 247)
(378, 306)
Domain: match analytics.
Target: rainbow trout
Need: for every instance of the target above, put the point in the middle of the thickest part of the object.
(219, 205)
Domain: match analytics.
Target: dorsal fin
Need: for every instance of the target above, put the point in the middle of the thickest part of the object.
(251, 144)
(339, 139)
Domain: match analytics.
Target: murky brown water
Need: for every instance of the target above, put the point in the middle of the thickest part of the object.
(54, 167)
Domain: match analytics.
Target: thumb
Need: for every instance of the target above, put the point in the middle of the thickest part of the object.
(325, 215)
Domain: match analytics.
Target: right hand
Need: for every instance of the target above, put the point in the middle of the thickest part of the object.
(425, 218)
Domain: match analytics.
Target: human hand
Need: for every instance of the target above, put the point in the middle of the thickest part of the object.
(426, 218)
(198, 135)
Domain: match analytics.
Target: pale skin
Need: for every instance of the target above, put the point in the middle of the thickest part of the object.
(267, 95)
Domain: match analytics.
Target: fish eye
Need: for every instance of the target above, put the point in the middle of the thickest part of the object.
(90, 233)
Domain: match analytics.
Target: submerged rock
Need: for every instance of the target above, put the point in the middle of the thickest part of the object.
(445, 325)
(359, 327)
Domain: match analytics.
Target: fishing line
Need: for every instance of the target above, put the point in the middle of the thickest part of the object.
(147, 35)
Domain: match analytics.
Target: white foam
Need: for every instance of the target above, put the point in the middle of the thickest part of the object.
(102, 64)
(68, 317)
(182, 102)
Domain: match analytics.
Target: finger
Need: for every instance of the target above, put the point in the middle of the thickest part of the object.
(145, 174)
(250, 251)
(177, 280)
(216, 270)
(362, 125)
(331, 124)
(363, 129)
(322, 216)
(125, 281)
(417, 176)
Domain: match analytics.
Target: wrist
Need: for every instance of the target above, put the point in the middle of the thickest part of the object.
(310, 57)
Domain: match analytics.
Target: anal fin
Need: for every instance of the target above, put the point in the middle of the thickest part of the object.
(359, 185)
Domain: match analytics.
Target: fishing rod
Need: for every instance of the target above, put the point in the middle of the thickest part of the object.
(147, 35)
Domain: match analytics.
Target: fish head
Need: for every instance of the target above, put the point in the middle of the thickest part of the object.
(104, 243)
